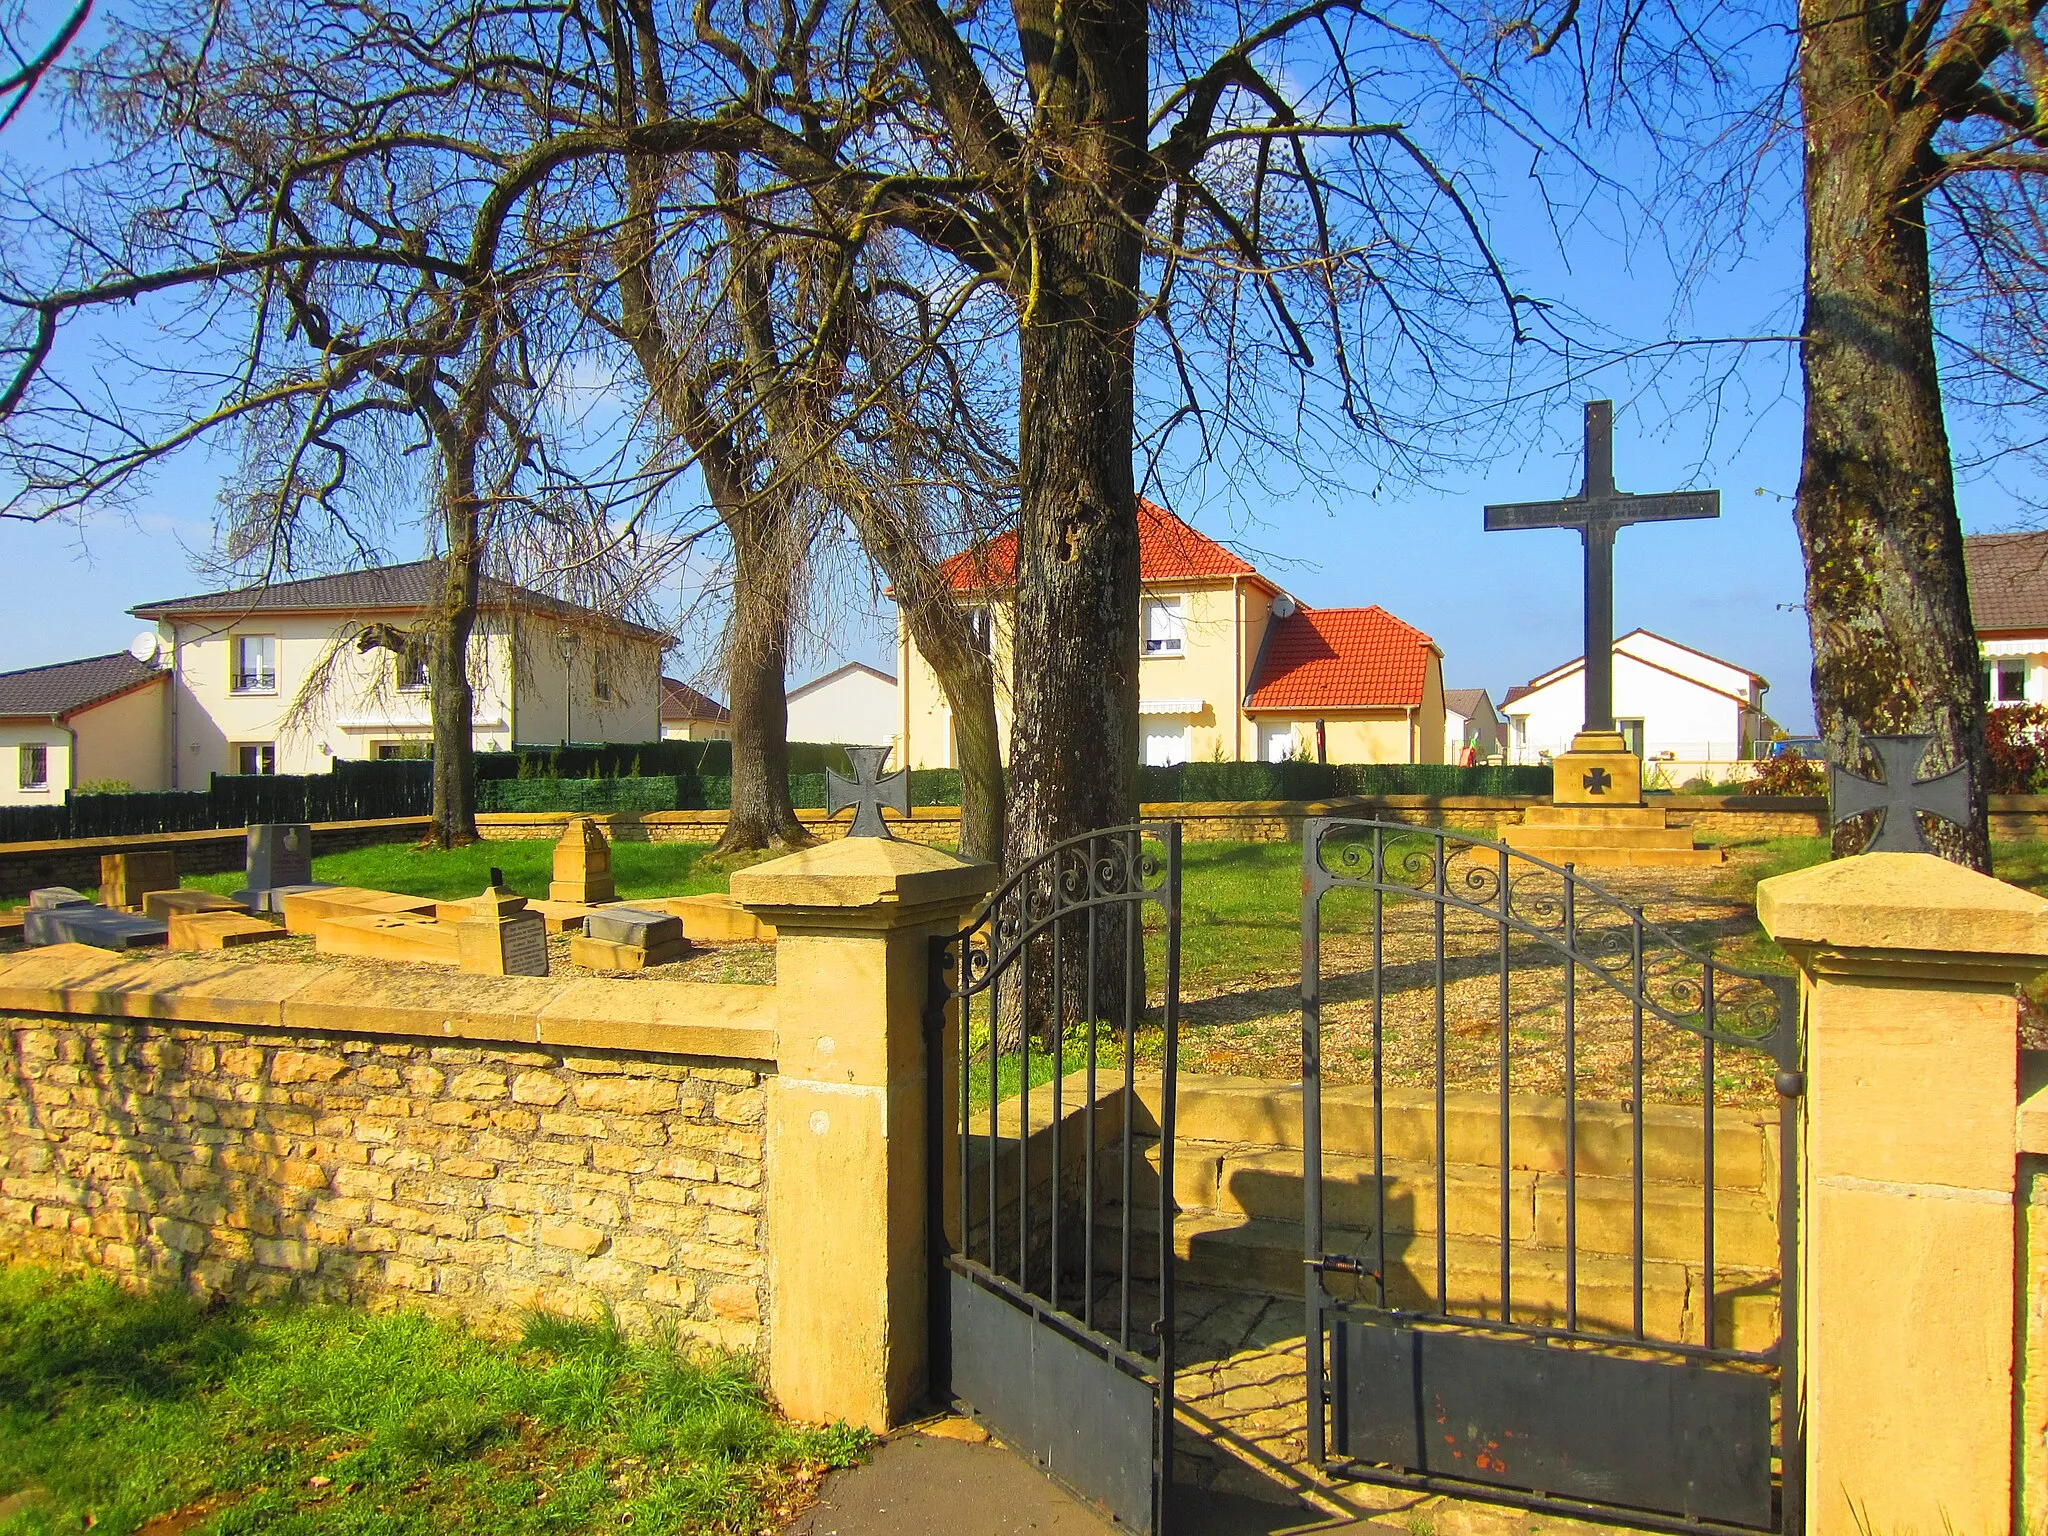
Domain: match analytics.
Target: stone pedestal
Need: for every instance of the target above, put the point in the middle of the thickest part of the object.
(126, 878)
(583, 866)
(502, 938)
(1598, 770)
(847, 1273)
(1906, 1306)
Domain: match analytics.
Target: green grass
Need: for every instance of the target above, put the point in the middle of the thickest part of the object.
(116, 1408)
(638, 869)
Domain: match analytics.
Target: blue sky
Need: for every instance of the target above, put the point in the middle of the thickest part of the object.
(1503, 607)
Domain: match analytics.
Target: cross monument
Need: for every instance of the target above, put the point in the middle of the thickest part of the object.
(867, 791)
(1598, 512)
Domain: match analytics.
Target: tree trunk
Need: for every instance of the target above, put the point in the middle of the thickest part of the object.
(757, 640)
(1074, 730)
(1887, 601)
(450, 699)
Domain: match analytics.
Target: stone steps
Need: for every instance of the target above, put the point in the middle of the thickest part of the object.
(1265, 1183)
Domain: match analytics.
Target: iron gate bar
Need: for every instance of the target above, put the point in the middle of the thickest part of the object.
(1670, 996)
(1002, 954)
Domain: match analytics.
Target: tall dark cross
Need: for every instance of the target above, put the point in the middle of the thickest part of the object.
(867, 791)
(1598, 512)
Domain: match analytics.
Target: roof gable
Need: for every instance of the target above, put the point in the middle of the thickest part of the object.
(413, 586)
(2008, 576)
(1341, 658)
(679, 701)
(1169, 549)
(851, 668)
(65, 687)
(1646, 656)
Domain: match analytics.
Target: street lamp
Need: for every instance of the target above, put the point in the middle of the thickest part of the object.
(567, 643)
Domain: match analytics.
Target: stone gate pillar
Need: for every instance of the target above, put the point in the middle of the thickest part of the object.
(1908, 1212)
(846, 1141)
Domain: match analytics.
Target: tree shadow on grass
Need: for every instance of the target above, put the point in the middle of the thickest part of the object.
(59, 1339)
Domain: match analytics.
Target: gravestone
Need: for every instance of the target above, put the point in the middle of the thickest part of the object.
(50, 897)
(628, 939)
(97, 926)
(127, 878)
(502, 938)
(305, 908)
(221, 930)
(389, 936)
(167, 904)
(583, 865)
(280, 854)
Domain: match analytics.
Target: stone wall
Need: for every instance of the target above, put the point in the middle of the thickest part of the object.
(410, 1158)
(76, 861)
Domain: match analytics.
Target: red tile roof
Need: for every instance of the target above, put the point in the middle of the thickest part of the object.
(679, 701)
(1341, 658)
(1168, 550)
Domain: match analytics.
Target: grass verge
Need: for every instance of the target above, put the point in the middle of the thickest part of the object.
(638, 869)
(118, 1409)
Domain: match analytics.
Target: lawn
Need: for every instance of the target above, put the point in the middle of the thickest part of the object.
(638, 869)
(117, 1409)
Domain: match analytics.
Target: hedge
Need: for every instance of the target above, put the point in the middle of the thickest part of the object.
(349, 791)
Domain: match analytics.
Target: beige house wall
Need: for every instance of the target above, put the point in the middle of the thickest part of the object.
(543, 713)
(360, 706)
(927, 720)
(56, 744)
(123, 738)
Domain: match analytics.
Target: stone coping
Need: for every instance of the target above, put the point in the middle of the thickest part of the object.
(669, 1018)
(1915, 903)
(127, 840)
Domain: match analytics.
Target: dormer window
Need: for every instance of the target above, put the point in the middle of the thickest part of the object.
(1164, 633)
(255, 664)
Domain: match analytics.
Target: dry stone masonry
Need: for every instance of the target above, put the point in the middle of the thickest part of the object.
(483, 1180)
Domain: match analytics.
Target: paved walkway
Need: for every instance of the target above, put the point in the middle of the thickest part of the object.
(920, 1481)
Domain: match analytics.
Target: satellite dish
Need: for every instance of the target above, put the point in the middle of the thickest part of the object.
(145, 646)
(1283, 607)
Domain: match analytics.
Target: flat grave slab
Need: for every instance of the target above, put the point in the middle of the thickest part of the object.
(606, 955)
(306, 910)
(50, 897)
(97, 926)
(713, 919)
(221, 930)
(390, 936)
(634, 925)
(164, 904)
(271, 898)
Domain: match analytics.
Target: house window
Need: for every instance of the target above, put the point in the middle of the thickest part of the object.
(601, 677)
(1165, 745)
(256, 757)
(412, 669)
(255, 664)
(1163, 629)
(400, 751)
(2005, 682)
(1276, 743)
(979, 625)
(35, 765)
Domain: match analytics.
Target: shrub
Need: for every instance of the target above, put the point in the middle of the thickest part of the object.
(2016, 739)
(1788, 774)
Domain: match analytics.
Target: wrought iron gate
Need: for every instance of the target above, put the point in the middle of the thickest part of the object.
(1527, 1302)
(1051, 1176)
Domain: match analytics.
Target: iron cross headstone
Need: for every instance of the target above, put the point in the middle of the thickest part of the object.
(867, 792)
(1900, 794)
(1598, 512)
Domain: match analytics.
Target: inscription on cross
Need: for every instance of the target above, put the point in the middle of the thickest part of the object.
(1598, 512)
(867, 792)
(1900, 795)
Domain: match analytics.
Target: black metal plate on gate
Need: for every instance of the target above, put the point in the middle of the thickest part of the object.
(1085, 1420)
(1645, 1434)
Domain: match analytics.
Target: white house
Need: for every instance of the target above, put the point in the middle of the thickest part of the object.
(1471, 724)
(2008, 574)
(276, 679)
(854, 705)
(99, 720)
(1692, 714)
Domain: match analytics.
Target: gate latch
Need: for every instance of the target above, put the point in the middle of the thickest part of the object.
(1791, 1085)
(1342, 1264)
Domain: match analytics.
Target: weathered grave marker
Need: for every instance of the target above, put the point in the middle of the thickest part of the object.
(304, 910)
(583, 865)
(220, 930)
(92, 925)
(628, 939)
(385, 936)
(166, 904)
(280, 857)
(49, 898)
(127, 878)
(503, 938)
